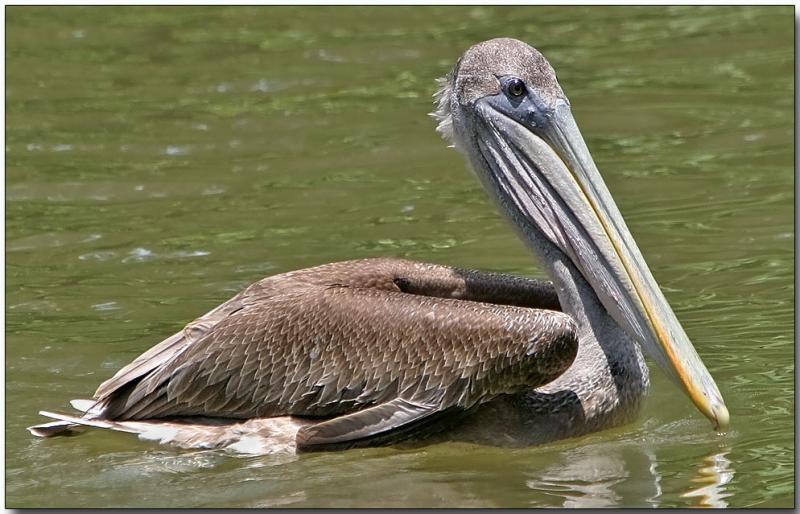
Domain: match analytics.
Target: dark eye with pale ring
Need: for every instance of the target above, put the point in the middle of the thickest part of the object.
(515, 87)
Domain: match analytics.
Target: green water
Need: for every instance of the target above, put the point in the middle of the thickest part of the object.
(160, 159)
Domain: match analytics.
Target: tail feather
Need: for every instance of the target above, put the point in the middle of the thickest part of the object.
(66, 425)
(89, 422)
(86, 406)
(259, 436)
(52, 429)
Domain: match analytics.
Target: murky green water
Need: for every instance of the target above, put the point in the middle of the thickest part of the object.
(159, 159)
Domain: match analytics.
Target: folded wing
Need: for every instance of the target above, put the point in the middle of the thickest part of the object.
(352, 349)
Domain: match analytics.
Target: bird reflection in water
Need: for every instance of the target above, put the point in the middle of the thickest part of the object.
(601, 476)
(712, 478)
(593, 477)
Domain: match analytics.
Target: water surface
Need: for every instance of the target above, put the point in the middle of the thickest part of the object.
(160, 159)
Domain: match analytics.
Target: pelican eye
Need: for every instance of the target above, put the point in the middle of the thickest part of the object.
(515, 87)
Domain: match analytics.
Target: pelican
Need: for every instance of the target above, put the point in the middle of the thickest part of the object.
(379, 351)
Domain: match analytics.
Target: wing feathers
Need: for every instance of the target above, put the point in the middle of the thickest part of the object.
(291, 345)
(368, 423)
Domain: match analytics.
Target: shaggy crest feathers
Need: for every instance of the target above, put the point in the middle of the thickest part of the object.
(441, 98)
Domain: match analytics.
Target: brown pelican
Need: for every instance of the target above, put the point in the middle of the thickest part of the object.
(380, 350)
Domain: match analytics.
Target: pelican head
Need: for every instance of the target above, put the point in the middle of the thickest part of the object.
(503, 108)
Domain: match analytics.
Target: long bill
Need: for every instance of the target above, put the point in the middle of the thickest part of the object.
(547, 172)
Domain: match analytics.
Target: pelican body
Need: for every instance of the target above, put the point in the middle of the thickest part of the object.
(378, 351)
